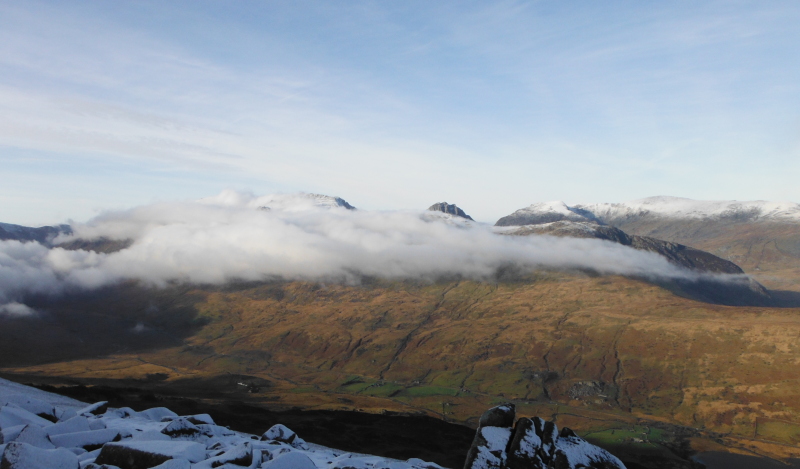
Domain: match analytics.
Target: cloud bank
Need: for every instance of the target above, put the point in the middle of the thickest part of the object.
(238, 236)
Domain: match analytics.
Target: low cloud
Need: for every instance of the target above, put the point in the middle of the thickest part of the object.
(15, 309)
(233, 237)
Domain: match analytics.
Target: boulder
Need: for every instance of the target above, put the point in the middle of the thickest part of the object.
(488, 450)
(9, 434)
(12, 415)
(88, 440)
(526, 444)
(18, 455)
(73, 425)
(290, 460)
(175, 464)
(146, 454)
(284, 435)
(181, 428)
(534, 444)
(239, 455)
(573, 452)
(34, 406)
(34, 435)
(159, 414)
(98, 408)
(500, 416)
(200, 419)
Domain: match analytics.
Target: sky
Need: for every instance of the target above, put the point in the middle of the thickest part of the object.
(395, 105)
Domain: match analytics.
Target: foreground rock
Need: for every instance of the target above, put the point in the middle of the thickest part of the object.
(98, 437)
(532, 444)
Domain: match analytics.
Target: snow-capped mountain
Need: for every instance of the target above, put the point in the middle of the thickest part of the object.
(660, 207)
(300, 201)
(682, 208)
(545, 212)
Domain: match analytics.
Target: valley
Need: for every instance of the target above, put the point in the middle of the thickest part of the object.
(657, 369)
(608, 356)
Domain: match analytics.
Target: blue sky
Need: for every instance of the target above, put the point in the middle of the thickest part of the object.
(395, 105)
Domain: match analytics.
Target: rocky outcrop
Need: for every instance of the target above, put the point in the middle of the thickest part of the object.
(532, 444)
(98, 437)
(451, 209)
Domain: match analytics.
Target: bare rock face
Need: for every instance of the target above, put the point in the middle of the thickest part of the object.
(532, 444)
(452, 209)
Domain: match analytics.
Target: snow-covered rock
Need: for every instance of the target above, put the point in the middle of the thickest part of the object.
(88, 440)
(94, 409)
(34, 435)
(12, 415)
(291, 460)
(34, 406)
(155, 437)
(146, 454)
(532, 444)
(76, 424)
(160, 438)
(181, 428)
(24, 456)
(284, 435)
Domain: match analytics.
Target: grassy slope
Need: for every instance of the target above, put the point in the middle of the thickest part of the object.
(598, 352)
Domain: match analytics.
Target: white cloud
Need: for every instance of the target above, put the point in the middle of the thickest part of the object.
(227, 237)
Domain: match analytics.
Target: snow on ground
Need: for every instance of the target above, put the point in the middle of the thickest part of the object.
(678, 207)
(555, 207)
(40, 429)
(8, 391)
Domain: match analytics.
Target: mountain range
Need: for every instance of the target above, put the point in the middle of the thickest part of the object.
(647, 374)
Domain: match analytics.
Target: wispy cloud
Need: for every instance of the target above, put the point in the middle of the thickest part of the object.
(402, 103)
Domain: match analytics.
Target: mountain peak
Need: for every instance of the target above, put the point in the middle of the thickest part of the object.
(452, 209)
(300, 201)
(546, 212)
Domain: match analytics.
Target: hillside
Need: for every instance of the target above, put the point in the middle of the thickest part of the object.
(580, 347)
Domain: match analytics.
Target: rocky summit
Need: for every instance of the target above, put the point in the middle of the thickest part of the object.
(451, 209)
(531, 443)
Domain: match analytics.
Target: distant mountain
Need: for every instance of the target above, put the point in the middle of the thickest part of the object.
(655, 208)
(686, 209)
(451, 209)
(302, 201)
(601, 221)
(761, 237)
(685, 256)
(43, 234)
(545, 212)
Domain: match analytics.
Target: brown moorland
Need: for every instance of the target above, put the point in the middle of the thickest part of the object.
(619, 360)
